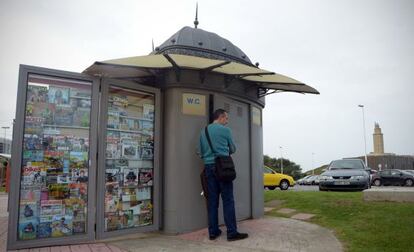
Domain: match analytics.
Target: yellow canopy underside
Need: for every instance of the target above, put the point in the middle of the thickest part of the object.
(143, 66)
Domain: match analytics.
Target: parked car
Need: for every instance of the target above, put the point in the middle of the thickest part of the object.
(302, 180)
(272, 179)
(393, 177)
(345, 174)
(312, 180)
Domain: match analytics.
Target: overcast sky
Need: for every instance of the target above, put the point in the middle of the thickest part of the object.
(353, 52)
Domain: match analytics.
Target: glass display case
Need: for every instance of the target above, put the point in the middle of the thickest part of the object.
(129, 159)
(55, 161)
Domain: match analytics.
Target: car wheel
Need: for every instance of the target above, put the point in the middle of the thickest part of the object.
(408, 182)
(284, 185)
(271, 187)
(377, 182)
(320, 189)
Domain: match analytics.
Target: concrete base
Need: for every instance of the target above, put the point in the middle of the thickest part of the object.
(397, 194)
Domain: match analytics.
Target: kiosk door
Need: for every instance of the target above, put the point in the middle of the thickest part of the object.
(52, 194)
(128, 188)
(240, 124)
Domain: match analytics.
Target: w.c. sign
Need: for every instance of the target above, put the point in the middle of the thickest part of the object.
(194, 104)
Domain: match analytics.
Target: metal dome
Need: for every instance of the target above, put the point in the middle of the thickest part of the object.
(197, 42)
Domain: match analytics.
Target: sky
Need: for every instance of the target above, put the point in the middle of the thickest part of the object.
(353, 52)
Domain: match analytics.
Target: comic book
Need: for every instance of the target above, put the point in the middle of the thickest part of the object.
(58, 95)
(62, 225)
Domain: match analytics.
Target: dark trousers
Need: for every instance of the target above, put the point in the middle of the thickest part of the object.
(215, 188)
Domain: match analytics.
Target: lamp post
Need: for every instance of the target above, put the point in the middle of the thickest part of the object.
(365, 138)
(313, 168)
(281, 160)
(4, 139)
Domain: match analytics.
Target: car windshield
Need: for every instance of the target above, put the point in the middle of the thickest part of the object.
(346, 164)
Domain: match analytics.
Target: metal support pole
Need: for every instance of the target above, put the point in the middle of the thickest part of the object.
(281, 160)
(365, 138)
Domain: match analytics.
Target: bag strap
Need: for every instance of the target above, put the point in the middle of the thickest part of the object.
(209, 140)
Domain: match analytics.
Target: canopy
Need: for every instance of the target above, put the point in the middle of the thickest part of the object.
(146, 66)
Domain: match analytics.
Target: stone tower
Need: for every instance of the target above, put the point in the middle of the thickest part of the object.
(378, 140)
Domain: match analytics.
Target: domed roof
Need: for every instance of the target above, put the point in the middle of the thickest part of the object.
(197, 42)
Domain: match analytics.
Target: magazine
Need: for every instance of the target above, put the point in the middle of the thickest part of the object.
(145, 177)
(61, 225)
(32, 142)
(130, 149)
(28, 209)
(113, 120)
(58, 95)
(63, 115)
(81, 117)
(28, 229)
(58, 191)
(144, 193)
(79, 175)
(44, 230)
(130, 176)
(113, 175)
(78, 159)
(79, 227)
(37, 94)
(80, 92)
(148, 111)
(30, 193)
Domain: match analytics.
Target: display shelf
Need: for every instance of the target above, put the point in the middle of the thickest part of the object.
(129, 131)
(66, 126)
(137, 118)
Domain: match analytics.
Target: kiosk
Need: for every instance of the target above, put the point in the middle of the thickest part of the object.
(112, 150)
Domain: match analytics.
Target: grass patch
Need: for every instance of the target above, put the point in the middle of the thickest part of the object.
(361, 226)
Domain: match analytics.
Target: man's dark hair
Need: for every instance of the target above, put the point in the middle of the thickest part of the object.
(218, 113)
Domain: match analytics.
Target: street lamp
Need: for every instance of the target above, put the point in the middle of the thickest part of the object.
(4, 139)
(281, 160)
(365, 138)
(313, 168)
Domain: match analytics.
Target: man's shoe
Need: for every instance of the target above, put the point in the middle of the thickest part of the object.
(238, 236)
(213, 237)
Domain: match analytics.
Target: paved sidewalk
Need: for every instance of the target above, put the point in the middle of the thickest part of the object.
(266, 234)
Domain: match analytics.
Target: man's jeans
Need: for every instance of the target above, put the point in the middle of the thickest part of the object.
(216, 187)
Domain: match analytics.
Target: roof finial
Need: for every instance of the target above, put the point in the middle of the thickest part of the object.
(196, 18)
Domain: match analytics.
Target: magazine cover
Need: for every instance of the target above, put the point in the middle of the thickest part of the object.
(148, 111)
(133, 124)
(28, 229)
(37, 94)
(45, 111)
(130, 149)
(53, 161)
(79, 144)
(63, 115)
(80, 92)
(130, 176)
(79, 175)
(51, 207)
(126, 219)
(61, 225)
(111, 221)
(28, 210)
(81, 117)
(78, 159)
(147, 126)
(145, 177)
(59, 191)
(119, 100)
(32, 142)
(30, 193)
(145, 219)
(144, 193)
(113, 175)
(31, 173)
(79, 227)
(63, 179)
(113, 120)
(112, 150)
(44, 230)
(111, 203)
(58, 95)
(80, 189)
(123, 123)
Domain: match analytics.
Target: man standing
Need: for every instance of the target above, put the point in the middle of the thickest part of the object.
(223, 145)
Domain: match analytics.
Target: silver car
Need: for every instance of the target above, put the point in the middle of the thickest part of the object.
(345, 174)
